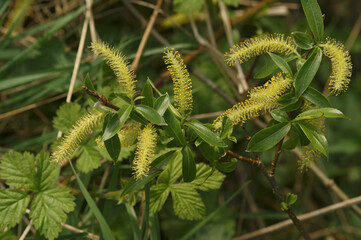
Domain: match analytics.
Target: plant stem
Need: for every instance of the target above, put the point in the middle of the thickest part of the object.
(102, 99)
(275, 159)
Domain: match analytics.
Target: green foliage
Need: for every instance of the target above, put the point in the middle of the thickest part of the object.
(66, 116)
(187, 6)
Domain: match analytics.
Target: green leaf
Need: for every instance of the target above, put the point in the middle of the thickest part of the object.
(148, 94)
(173, 129)
(116, 121)
(187, 203)
(89, 159)
(46, 171)
(134, 185)
(113, 147)
(49, 209)
(19, 170)
(158, 195)
(227, 167)
(161, 104)
(268, 137)
(173, 170)
(307, 72)
(291, 199)
(208, 152)
(187, 6)
(188, 165)
(150, 114)
(316, 97)
(302, 137)
(287, 98)
(107, 233)
(13, 204)
(227, 128)
(207, 178)
(233, 3)
(280, 116)
(88, 83)
(133, 221)
(314, 18)
(268, 68)
(292, 141)
(66, 116)
(302, 40)
(316, 137)
(206, 134)
(281, 63)
(292, 106)
(319, 112)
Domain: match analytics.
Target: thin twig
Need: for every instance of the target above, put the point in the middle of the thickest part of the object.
(354, 33)
(146, 36)
(101, 99)
(205, 115)
(242, 85)
(244, 159)
(287, 223)
(93, 32)
(26, 231)
(209, 26)
(275, 158)
(77, 230)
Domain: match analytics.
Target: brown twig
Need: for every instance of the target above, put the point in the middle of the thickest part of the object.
(146, 36)
(287, 223)
(244, 159)
(275, 159)
(101, 99)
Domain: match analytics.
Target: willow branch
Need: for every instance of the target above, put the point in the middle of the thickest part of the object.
(101, 99)
(275, 158)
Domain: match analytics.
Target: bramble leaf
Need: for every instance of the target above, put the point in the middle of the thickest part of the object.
(89, 159)
(49, 208)
(158, 195)
(187, 203)
(66, 116)
(45, 171)
(13, 204)
(207, 178)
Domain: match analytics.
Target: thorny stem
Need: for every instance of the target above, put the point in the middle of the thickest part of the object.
(101, 98)
(275, 159)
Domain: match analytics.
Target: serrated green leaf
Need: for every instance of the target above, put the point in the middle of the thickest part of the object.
(161, 104)
(13, 204)
(307, 72)
(316, 137)
(268, 137)
(115, 122)
(316, 97)
(158, 195)
(89, 159)
(302, 40)
(314, 18)
(173, 129)
(320, 112)
(187, 203)
(281, 63)
(187, 6)
(113, 147)
(45, 171)
(188, 165)
(148, 94)
(280, 116)
(173, 170)
(206, 134)
(207, 178)
(19, 170)
(49, 209)
(150, 114)
(66, 116)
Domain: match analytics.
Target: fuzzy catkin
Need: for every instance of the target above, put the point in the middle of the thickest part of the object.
(76, 135)
(118, 63)
(182, 83)
(273, 43)
(261, 99)
(144, 153)
(341, 65)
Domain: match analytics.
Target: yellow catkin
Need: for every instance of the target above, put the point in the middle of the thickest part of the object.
(144, 153)
(261, 99)
(182, 83)
(76, 135)
(273, 43)
(128, 135)
(341, 65)
(118, 63)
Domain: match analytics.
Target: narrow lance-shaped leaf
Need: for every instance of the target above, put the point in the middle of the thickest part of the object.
(268, 137)
(188, 165)
(314, 18)
(316, 137)
(206, 134)
(113, 147)
(320, 112)
(281, 63)
(316, 97)
(150, 114)
(308, 72)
